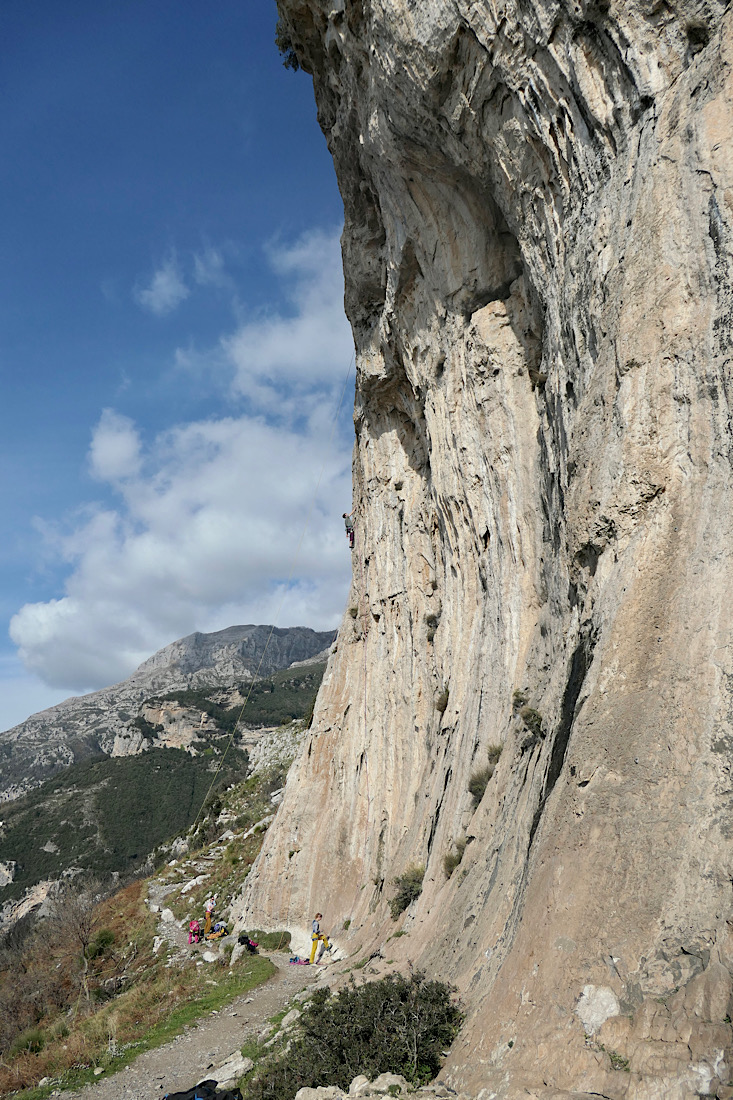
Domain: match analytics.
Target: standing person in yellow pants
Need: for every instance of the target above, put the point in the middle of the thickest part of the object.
(209, 908)
(317, 936)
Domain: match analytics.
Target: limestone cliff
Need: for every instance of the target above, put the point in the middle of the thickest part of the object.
(538, 254)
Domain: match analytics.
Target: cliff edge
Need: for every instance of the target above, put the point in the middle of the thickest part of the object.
(537, 246)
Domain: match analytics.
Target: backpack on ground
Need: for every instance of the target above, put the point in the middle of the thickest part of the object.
(206, 1090)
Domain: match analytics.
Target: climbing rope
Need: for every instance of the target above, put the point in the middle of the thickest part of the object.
(282, 601)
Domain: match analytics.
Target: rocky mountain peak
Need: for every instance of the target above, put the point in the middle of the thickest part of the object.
(112, 720)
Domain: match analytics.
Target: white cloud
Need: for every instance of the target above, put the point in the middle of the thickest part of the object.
(115, 450)
(209, 516)
(208, 268)
(283, 361)
(206, 539)
(166, 289)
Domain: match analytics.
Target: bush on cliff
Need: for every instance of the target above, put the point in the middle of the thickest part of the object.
(408, 887)
(396, 1025)
(284, 43)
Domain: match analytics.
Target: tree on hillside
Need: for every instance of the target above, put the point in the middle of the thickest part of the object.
(72, 923)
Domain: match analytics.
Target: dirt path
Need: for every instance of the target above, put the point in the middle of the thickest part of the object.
(184, 1062)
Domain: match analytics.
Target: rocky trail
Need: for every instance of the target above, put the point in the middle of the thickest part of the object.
(202, 1048)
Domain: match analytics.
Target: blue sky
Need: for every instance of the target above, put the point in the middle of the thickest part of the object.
(172, 339)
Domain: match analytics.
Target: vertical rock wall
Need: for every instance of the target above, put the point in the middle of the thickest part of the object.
(538, 201)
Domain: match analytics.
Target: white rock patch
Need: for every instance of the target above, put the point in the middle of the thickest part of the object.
(596, 1005)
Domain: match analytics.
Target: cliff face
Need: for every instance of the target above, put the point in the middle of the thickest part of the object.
(539, 204)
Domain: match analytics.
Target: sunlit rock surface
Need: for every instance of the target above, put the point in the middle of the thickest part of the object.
(538, 202)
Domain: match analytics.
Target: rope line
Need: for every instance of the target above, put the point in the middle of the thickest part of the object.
(284, 597)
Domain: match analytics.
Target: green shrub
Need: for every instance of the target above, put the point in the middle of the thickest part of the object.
(284, 44)
(396, 1025)
(432, 620)
(452, 858)
(442, 701)
(409, 887)
(147, 729)
(479, 781)
(532, 720)
(104, 938)
(33, 1041)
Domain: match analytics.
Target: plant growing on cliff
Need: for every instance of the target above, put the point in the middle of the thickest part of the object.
(396, 1025)
(452, 859)
(532, 720)
(408, 888)
(479, 780)
(284, 43)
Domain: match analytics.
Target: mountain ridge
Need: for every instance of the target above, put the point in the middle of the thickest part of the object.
(104, 721)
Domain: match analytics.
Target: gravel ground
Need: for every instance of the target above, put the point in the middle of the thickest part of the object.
(185, 1061)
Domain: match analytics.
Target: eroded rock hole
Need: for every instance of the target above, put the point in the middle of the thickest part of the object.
(698, 36)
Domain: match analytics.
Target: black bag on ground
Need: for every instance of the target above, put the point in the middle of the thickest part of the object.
(205, 1090)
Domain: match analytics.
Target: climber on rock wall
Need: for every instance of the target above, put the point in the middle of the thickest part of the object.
(349, 523)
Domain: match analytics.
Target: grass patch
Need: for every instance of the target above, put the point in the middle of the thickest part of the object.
(478, 782)
(408, 888)
(532, 720)
(254, 1049)
(140, 1033)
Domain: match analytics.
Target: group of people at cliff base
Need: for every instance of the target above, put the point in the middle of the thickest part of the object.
(319, 940)
(319, 945)
(209, 931)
